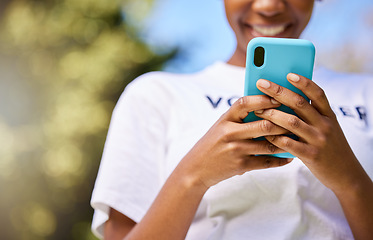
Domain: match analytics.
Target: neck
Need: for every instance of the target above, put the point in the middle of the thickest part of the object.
(238, 58)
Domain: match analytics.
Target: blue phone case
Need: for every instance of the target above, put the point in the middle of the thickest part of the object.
(281, 56)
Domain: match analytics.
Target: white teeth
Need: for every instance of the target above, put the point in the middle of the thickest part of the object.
(269, 31)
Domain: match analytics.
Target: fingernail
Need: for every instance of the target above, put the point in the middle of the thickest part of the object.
(263, 83)
(259, 111)
(289, 160)
(293, 77)
(274, 101)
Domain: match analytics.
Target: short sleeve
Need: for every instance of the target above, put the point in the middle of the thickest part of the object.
(129, 176)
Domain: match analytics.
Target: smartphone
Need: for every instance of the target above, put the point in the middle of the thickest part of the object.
(272, 59)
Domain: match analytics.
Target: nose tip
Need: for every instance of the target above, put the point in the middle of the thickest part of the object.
(268, 8)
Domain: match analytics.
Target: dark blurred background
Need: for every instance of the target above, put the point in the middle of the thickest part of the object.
(63, 65)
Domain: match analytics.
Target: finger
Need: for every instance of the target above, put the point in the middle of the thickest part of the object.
(263, 162)
(253, 147)
(246, 104)
(291, 99)
(254, 129)
(288, 121)
(300, 149)
(313, 92)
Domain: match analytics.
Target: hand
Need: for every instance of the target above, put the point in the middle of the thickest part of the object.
(227, 150)
(322, 145)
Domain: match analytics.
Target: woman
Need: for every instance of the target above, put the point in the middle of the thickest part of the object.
(178, 159)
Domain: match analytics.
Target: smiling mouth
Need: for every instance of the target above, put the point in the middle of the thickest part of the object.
(268, 31)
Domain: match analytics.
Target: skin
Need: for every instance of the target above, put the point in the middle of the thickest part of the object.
(226, 150)
(323, 148)
(242, 15)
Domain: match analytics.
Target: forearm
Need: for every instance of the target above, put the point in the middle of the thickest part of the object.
(172, 212)
(357, 205)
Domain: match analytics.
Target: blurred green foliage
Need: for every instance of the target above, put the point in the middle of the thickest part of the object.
(63, 65)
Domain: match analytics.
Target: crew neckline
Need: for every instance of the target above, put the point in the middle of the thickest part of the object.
(224, 69)
(229, 66)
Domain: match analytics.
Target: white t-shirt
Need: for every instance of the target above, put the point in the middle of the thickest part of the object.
(161, 116)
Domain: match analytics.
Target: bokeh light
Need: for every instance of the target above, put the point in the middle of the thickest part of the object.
(64, 64)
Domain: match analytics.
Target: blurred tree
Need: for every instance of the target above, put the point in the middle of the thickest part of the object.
(64, 64)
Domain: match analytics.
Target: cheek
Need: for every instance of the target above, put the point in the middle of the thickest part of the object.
(233, 10)
(303, 10)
